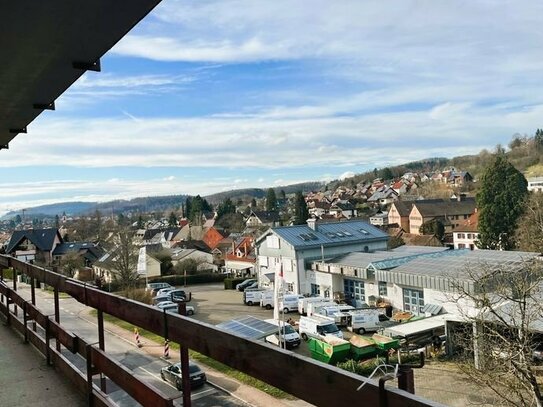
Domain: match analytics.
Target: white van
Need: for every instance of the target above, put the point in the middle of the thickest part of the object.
(289, 302)
(364, 320)
(289, 336)
(318, 327)
(340, 313)
(303, 303)
(252, 296)
(267, 300)
(313, 306)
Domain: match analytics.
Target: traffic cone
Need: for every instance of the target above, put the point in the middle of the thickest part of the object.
(137, 337)
(166, 349)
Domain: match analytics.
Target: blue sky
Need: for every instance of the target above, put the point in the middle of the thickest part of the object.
(206, 96)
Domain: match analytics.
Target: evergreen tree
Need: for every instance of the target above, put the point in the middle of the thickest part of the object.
(283, 194)
(140, 222)
(226, 207)
(271, 200)
(253, 203)
(538, 139)
(500, 202)
(300, 209)
(57, 222)
(172, 220)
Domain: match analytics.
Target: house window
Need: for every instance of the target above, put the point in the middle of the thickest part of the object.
(354, 289)
(461, 236)
(466, 216)
(469, 235)
(383, 291)
(461, 246)
(290, 287)
(315, 289)
(413, 300)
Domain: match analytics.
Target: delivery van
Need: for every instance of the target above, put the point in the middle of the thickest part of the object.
(252, 296)
(289, 302)
(303, 303)
(288, 336)
(318, 327)
(364, 320)
(313, 306)
(340, 313)
(267, 300)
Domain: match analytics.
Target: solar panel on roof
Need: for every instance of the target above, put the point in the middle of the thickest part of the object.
(312, 236)
(248, 327)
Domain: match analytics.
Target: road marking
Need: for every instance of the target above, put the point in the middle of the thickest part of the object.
(157, 376)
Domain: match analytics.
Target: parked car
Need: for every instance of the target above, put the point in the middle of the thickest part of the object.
(164, 291)
(172, 374)
(241, 286)
(172, 307)
(251, 286)
(176, 295)
(154, 287)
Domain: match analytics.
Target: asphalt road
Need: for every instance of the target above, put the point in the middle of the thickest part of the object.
(74, 316)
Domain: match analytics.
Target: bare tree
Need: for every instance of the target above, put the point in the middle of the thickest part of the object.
(502, 312)
(71, 263)
(124, 259)
(529, 232)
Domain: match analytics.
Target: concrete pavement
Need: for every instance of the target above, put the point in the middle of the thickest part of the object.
(31, 382)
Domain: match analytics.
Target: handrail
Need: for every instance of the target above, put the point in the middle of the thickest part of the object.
(309, 380)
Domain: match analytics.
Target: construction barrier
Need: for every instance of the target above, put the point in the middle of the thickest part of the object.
(166, 349)
(137, 337)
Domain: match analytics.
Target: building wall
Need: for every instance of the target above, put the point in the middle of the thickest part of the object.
(415, 221)
(395, 217)
(465, 240)
(295, 274)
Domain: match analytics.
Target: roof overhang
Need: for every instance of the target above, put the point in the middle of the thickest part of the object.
(45, 46)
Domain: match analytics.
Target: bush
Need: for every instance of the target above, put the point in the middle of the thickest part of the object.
(8, 274)
(138, 294)
(230, 283)
(366, 367)
(191, 279)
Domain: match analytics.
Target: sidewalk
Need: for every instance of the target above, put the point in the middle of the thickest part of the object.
(243, 392)
(29, 381)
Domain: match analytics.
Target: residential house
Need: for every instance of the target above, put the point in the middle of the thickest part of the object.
(466, 235)
(263, 218)
(34, 245)
(88, 251)
(203, 259)
(451, 212)
(287, 251)
(398, 214)
(383, 196)
(343, 209)
(212, 237)
(379, 219)
(400, 186)
(319, 208)
(241, 260)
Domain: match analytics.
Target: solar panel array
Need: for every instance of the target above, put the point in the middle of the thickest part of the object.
(248, 327)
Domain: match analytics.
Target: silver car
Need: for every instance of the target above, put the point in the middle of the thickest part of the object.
(172, 374)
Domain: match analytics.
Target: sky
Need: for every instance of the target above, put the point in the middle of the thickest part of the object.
(207, 96)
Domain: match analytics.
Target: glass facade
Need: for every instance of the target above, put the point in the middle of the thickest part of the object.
(413, 300)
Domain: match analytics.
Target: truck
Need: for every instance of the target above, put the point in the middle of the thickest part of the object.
(305, 301)
(252, 296)
(318, 327)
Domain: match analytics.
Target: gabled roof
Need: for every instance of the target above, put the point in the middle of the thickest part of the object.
(266, 216)
(470, 225)
(440, 207)
(43, 239)
(329, 234)
(403, 207)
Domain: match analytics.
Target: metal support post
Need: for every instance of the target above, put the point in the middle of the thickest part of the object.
(101, 345)
(57, 314)
(14, 289)
(47, 342)
(184, 356)
(406, 379)
(25, 321)
(33, 298)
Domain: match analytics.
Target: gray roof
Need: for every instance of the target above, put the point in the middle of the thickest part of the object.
(43, 239)
(442, 271)
(442, 207)
(330, 234)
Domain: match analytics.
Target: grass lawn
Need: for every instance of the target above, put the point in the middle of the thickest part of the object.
(212, 363)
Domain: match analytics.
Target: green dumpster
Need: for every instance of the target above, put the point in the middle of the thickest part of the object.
(363, 348)
(330, 350)
(385, 343)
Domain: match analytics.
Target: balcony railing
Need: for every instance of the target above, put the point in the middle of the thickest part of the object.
(312, 381)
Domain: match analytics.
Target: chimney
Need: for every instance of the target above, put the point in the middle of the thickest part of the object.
(312, 223)
(461, 197)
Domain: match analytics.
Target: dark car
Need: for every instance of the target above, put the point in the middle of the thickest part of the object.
(174, 296)
(243, 285)
(172, 374)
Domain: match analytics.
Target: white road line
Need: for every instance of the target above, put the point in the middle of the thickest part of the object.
(157, 376)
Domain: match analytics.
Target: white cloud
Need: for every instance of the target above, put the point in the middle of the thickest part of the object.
(347, 174)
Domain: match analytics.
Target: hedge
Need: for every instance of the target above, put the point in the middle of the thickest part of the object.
(8, 274)
(230, 283)
(190, 279)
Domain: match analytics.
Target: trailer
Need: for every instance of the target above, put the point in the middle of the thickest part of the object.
(417, 333)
